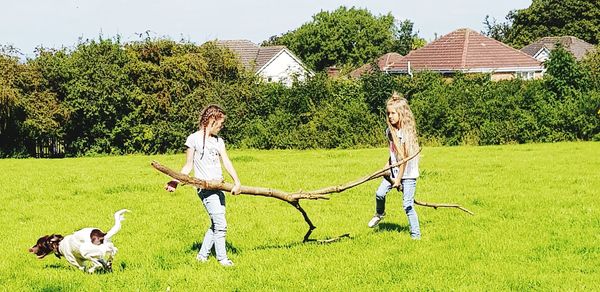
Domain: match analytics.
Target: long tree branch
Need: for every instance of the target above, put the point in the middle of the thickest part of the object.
(340, 188)
(319, 194)
(443, 205)
(294, 198)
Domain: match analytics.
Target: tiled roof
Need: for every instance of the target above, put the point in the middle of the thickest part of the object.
(468, 51)
(265, 54)
(574, 45)
(246, 50)
(383, 63)
(252, 56)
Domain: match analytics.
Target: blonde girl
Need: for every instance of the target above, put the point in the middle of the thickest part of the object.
(204, 154)
(402, 137)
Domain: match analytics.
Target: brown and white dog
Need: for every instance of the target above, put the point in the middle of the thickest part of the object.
(87, 244)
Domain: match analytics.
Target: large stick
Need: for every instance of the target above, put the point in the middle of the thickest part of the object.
(340, 188)
(443, 205)
(294, 198)
(320, 194)
(225, 186)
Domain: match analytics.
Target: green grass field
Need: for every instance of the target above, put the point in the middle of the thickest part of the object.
(536, 223)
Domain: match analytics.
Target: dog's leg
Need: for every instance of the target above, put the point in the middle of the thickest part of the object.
(95, 264)
(94, 257)
(111, 250)
(93, 253)
(99, 255)
(119, 216)
(75, 262)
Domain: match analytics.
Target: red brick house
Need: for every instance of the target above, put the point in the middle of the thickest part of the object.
(467, 51)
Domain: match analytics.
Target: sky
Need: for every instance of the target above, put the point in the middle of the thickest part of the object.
(27, 24)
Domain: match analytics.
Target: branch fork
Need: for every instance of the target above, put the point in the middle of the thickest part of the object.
(294, 198)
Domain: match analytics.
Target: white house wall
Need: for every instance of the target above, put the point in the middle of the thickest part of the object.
(542, 55)
(282, 69)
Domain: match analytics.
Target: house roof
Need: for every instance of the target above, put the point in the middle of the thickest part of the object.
(252, 56)
(266, 54)
(574, 45)
(466, 50)
(246, 50)
(383, 63)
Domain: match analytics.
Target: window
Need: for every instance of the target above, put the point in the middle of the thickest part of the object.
(525, 75)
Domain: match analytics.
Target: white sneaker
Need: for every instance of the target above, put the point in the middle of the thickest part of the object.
(375, 220)
(226, 263)
(201, 259)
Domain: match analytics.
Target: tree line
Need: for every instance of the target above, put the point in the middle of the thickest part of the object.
(105, 97)
(543, 18)
(109, 97)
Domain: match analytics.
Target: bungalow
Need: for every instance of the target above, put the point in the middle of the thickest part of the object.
(541, 48)
(272, 63)
(467, 51)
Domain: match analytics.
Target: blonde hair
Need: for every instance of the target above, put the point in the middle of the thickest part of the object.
(408, 125)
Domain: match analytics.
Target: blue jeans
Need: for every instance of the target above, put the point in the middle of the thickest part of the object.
(409, 186)
(214, 202)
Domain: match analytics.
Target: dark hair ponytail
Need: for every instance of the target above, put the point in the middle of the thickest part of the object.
(210, 112)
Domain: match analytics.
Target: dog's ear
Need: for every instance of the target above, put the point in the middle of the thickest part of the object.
(56, 238)
(54, 242)
(42, 239)
(97, 237)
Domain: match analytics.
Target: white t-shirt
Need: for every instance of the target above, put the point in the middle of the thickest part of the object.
(207, 160)
(412, 166)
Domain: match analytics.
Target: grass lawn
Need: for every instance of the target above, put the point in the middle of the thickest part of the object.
(536, 224)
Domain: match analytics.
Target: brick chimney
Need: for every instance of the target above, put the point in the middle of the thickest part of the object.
(333, 71)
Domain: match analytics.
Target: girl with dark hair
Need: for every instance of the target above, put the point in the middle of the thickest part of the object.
(204, 154)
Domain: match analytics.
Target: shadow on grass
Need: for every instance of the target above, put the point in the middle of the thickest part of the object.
(391, 227)
(279, 246)
(228, 246)
(71, 268)
(55, 266)
(300, 243)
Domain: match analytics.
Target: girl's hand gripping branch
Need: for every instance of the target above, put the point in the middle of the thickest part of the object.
(171, 185)
(397, 183)
(236, 190)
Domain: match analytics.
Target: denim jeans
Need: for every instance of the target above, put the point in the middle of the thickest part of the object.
(214, 202)
(409, 186)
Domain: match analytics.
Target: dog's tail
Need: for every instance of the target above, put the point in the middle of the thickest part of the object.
(119, 216)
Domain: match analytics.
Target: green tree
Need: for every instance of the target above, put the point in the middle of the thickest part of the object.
(563, 73)
(406, 39)
(10, 70)
(346, 37)
(44, 114)
(31, 113)
(95, 88)
(9, 94)
(377, 88)
(591, 65)
(172, 82)
(580, 18)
